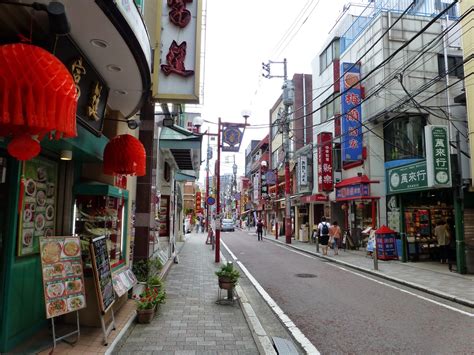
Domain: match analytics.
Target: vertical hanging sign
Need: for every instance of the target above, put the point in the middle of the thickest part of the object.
(351, 113)
(325, 180)
(438, 156)
(303, 170)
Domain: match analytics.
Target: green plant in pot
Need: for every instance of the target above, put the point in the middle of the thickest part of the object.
(147, 302)
(228, 276)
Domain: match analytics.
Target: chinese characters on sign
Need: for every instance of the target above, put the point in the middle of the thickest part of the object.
(351, 192)
(408, 177)
(351, 140)
(438, 156)
(231, 138)
(325, 180)
(264, 185)
(303, 170)
(198, 201)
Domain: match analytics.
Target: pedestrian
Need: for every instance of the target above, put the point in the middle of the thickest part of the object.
(203, 225)
(323, 232)
(335, 235)
(441, 233)
(259, 229)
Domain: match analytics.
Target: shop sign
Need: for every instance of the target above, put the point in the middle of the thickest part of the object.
(352, 192)
(314, 198)
(303, 170)
(438, 156)
(176, 74)
(264, 185)
(198, 200)
(231, 138)
(325, 179)
(410, 177)
(92, 90)
(351, 140)
(256, 186)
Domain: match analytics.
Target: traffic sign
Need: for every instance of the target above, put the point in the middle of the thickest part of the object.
(211, 200)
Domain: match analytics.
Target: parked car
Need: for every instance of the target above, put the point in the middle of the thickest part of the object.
(228, 225)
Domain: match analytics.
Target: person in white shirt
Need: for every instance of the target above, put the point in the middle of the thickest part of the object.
(323, 233)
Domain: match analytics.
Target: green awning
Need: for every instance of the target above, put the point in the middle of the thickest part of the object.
(183, 145)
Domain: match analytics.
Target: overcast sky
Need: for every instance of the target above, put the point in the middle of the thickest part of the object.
(240, 36)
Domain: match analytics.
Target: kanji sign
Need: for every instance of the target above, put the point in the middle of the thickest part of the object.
(231, 138)
(325, 179)
(352, 192)
(438, 156)
(303, 170)
(351, 139)
(410, 177)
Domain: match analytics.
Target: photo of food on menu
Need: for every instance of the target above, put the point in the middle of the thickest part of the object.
(63, 279)
(38, 204)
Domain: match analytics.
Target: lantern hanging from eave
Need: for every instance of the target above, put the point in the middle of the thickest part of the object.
(37, 98)
(124, 155)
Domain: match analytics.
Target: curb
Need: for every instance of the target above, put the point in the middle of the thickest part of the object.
(263, 342)
(428, 290)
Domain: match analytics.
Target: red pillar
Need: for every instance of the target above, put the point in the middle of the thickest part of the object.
(218, 192)
(287, 204)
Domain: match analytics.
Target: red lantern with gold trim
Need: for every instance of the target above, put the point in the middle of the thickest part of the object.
(124, 155)
(37, 98)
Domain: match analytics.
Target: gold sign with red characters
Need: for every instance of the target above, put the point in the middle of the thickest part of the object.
(63, 278)
(198, 201)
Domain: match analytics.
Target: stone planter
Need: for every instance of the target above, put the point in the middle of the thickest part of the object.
(145, 316)
(226, 283)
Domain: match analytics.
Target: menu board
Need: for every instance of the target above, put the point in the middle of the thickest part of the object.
(38, 204)
(63, 279)
(164, 216)
(102, 273)
(123, 281)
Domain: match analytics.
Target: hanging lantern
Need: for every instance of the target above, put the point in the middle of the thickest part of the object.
(344, 206)
(360, 206)
(37, 98)
(124, 155)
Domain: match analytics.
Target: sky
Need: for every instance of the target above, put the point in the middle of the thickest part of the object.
(240, 35)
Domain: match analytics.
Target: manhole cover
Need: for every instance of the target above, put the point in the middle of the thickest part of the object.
(306, 275)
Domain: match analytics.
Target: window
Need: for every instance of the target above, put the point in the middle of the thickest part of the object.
(328, 55)
(455, 66)
(337, 157)
(330, 107)
(404, 138)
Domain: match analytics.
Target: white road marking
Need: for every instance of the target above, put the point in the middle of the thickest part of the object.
(295, 331)
(383, 283)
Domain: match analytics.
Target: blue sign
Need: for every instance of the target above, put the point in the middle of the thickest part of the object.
(271, 178)
(352, 192)
(211, 200)
(351, 128)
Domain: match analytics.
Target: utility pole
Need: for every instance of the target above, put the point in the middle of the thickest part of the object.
(288, 101)
(209, 157)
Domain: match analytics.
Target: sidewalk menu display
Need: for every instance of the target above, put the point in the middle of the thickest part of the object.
(63, 279)
(37, 204)
(102, 273)
(123, 281)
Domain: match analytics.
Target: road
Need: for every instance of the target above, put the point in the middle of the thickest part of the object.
(343, 311)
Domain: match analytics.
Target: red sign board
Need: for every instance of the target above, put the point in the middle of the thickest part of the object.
(325, 180)
(198, 201)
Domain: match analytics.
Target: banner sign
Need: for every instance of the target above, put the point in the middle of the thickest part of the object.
(264, 185)
(325, 180)
(271, 178)
(198, 201)
(231, 138)
(351, 139)
(410, 177)
(303, 170)
(352, 192)
(256, 186)
(438, 156)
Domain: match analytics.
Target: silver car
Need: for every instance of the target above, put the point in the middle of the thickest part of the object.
(228, 225)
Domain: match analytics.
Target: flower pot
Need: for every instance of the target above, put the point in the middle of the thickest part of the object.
(226, 283)
(145, 315)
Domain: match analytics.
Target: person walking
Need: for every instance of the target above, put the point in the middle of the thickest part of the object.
(323, 232)
(259, 229)
(335, 235)
(441, 233)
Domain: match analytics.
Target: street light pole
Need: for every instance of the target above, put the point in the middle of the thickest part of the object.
(209, 151)
(218, 194)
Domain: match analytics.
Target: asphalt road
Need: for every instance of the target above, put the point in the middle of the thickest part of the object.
(342, 311)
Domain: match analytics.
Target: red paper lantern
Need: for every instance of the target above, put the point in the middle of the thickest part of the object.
(344, 206)
(124, 155)
(360, 206)
(37, 98)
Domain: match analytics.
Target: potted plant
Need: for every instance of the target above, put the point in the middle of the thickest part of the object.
(228, 276)
(147, 302)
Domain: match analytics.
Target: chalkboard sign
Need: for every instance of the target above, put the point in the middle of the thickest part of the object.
(102, 273)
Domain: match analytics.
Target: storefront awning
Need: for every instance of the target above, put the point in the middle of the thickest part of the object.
(363, 179)
(183, 145)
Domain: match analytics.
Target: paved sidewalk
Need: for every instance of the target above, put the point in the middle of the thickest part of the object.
(190, 322)
(431, 277)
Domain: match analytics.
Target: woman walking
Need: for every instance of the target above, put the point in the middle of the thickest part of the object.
(335, 235)
(323, 232)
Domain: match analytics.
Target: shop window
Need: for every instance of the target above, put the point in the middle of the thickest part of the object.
(404, 138)
(330, 107)
(455, 66)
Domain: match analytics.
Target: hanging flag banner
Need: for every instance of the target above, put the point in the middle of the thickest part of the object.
(271, 178)
(351, 138)
(438, 156)
(231, 137)
(325, 180)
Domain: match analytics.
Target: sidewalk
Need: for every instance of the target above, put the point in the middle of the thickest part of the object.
(430, 277)
(190, 321)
